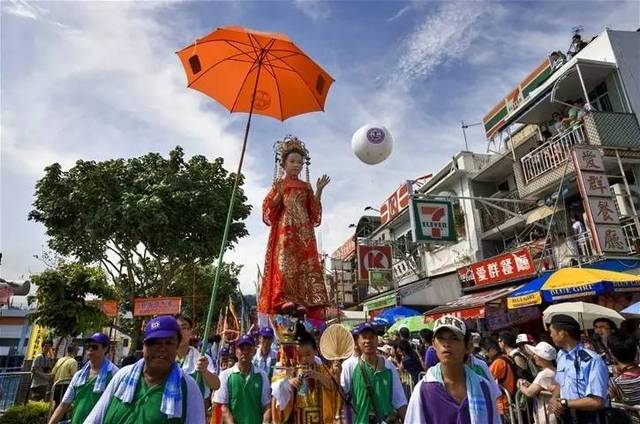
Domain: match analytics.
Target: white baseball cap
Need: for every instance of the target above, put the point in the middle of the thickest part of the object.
(524, 338)
(543, 350)
(452, 323)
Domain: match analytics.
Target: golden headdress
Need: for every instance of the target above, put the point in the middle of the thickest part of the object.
(283, 147)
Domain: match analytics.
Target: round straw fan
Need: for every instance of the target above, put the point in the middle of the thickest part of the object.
(336, 343)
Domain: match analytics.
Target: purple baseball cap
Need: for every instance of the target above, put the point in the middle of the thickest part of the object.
(99, 338)
(161, 327)
(245, 339)
(365, 326)
(266, 332)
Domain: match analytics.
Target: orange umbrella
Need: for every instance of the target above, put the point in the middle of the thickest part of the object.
(235, 65)
(255, 72)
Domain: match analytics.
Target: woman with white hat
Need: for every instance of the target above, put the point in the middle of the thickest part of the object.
(544, 355)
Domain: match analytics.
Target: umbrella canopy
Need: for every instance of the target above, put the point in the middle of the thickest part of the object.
(232, 63)
(633, 309)
(414, 324)
(567, 283)
(390, 316)
(583, 312)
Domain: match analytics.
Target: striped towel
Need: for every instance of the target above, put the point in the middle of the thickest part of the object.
(101, 380)
(171, 405)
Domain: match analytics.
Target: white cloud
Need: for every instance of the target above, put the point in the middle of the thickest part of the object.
(23, 9)
(314, 9)
(444, 35)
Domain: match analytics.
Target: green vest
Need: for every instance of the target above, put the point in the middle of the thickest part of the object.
(85, 399)
(245, 398)
(145, 408)
(381, 390)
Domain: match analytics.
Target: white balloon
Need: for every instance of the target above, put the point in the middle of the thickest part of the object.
(372, 144)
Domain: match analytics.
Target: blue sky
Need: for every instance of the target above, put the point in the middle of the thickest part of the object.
(98, 80)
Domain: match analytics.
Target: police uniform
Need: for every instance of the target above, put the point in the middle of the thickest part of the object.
(581, 373)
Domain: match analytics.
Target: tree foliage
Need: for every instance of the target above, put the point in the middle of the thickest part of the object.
(147, 220)
(62, 298)
(195, 285)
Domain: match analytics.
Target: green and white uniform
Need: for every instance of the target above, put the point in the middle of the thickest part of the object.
(245, 396)
(145, 407)
(385, 386)
(81, 397)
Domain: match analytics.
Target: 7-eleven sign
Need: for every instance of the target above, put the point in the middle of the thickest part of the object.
(432, 220)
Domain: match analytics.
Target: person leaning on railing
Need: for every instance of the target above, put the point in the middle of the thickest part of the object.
(582, 376)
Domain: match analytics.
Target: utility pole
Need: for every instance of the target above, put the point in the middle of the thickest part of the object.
(464, 133)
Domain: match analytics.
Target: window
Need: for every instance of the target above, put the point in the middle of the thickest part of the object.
(599, 98)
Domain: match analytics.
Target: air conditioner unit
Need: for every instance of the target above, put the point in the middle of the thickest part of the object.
(623, 201)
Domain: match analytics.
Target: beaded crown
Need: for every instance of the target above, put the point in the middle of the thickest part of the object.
(289, 144)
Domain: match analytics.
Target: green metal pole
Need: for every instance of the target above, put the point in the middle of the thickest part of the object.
(225, 235)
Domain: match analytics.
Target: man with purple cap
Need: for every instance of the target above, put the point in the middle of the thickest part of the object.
(265, 358)
(245, 392)
(87, 385)
(154, 390)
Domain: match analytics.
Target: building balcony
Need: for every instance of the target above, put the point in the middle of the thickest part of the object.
(544, 166)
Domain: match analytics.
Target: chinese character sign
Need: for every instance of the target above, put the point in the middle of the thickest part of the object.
(432, 221)
(148, 306)
(510, 266)
(599, 204)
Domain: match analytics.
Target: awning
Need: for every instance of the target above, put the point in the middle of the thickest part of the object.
(631, 266)
(471, 306)
(540, 213)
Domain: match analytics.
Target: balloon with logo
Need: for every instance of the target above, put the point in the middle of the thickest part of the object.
(372, 143)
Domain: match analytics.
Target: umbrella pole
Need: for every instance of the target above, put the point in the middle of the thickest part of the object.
(227, 225)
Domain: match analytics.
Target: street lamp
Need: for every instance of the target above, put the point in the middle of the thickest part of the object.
(464, 133)
(352, 225)
(370, 208)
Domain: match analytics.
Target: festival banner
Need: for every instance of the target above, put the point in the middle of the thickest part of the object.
(36, 337)
(149, 306)
(376, 257)
(432, 221)
(506, 267)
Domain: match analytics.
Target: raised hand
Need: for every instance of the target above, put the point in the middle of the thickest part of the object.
(322, 183)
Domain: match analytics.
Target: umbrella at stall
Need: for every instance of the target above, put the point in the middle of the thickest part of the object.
(568, 283)
(414, 324)
(632, 310)
(390, 316)
(257, 73)
(583, 312)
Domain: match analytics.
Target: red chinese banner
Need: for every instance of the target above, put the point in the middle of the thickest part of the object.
(376, 257)
(148, 306)
(109, 308)
(509, 266)
(476, 312)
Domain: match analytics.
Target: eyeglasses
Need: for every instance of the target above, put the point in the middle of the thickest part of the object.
(93, 346)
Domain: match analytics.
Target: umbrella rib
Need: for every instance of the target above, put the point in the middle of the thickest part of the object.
(242, 85)
(277, 86)
(248, 53)
(215, 41)
(213, 66)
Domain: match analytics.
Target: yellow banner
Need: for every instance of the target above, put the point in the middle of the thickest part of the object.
(36, 337)
(523, 301)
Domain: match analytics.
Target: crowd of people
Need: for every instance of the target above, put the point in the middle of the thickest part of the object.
(450, 375)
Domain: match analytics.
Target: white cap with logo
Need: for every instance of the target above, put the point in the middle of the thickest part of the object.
(452, 323)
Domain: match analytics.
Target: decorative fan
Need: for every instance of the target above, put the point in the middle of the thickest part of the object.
(336, 343)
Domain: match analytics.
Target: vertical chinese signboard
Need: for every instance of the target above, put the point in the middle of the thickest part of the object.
(510, 266)
(432, 220)
(599, 204)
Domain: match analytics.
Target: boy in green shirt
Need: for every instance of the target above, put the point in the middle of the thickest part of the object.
(372, 382)
(245, 391)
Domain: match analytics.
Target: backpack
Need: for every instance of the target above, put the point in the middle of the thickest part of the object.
(521, 372)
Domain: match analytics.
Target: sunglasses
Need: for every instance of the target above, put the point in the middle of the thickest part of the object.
(93, 346)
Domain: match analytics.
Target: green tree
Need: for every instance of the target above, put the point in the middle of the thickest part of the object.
(62, 298)
(147, 220)
(194, 286)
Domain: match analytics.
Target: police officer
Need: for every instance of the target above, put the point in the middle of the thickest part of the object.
(582, 376)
